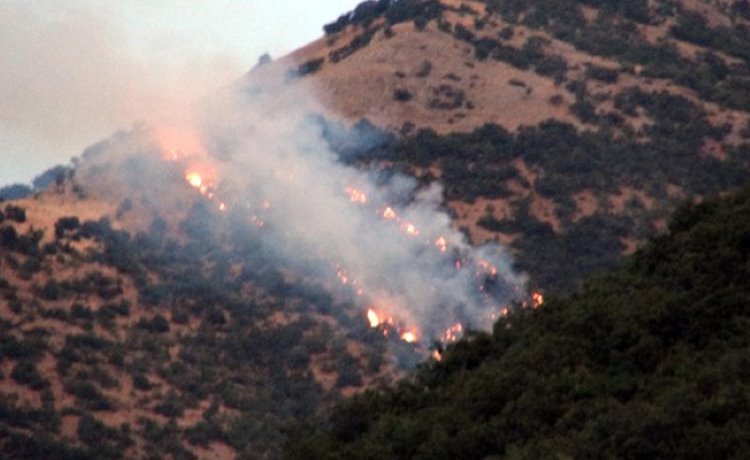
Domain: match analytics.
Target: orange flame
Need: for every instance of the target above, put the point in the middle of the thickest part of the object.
(442, 244)
(178, 142)
(341, 274)
(389, 213)
(453, 333)
(373, 318)
(202, 177)
(409, 336)
(356, 196)
(194, 179)
(411, 229)
(198, 178)
(489, 268)
(537, 300)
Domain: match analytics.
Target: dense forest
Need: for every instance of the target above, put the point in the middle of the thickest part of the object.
(648, 361)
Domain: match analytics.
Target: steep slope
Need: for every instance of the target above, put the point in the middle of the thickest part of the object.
(179, 337)
(507, 60)
(646, 362)
(546, 121)
(141, 319)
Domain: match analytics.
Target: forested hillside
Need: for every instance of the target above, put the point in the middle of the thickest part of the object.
(649, 361)
(143, 314)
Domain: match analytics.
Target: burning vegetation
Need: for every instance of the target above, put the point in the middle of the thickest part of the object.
(493, 292)
(604, 353)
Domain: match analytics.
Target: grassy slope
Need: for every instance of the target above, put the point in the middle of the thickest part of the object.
(649, 103)
(122, 344)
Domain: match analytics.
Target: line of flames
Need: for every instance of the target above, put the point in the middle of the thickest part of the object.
(201, 182)
(411, 335)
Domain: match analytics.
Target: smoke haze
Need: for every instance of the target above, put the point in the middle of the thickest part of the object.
(273, 153)
(376, 238)
(76, 71)
(255, 151)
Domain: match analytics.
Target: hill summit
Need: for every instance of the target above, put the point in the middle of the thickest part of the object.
(567, 130)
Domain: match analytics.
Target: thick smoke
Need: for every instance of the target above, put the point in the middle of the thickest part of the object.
(377, 239)
(74, 70)
(396, 249)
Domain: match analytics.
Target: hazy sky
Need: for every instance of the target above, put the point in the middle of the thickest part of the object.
(74, 71)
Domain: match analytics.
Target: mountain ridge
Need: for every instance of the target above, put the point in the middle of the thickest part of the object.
(625, 102)
(339, 91)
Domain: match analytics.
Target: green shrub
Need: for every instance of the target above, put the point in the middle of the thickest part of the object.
(26, 373)
(402, 95)
(66, 224)
(15, 213)
(602, 74)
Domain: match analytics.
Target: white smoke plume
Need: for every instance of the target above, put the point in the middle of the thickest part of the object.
(379, 239)
(390, 242)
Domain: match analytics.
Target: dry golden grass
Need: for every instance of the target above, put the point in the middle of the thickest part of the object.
(45, 209)
(363, 84)
(467, 215)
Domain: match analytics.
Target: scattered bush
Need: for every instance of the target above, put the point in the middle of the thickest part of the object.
(52, 290)
(158, 324)
(424, 70)
(602, 74)
(26, 373)
(357, 43)
(556, 100)
(66, 224)
(141, 382)
(15, 213)
(89, 396)
(307, 68)
(402, 95)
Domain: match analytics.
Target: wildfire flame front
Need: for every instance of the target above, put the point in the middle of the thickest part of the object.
(389, 213)
(195, 180)
(442, 244)
(356, 196)
(373, 318)
(537, 300)
(409, 337)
